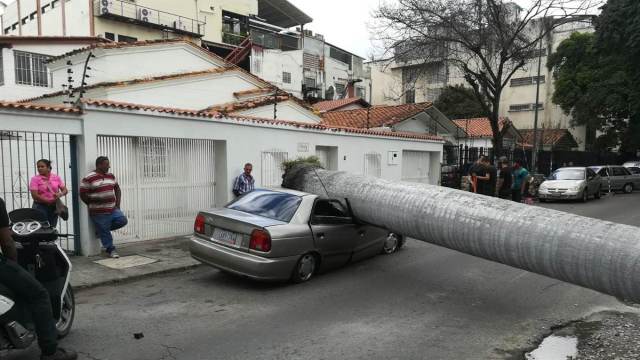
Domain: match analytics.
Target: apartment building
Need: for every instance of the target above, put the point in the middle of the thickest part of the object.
(413, 81)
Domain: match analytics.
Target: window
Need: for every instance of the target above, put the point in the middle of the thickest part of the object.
(373, 164)
(590, 173)
(155, 158)
(286, 77)
(328, 95)
(124, 38)
(619, 171)
(534, 54)
(272, 167)
(525, 107)
(361, 92)
(310, 83)
(331, 208)
(409, 79)
(270, 204)
(433, 94)
(110, 36)
(340, 89)
(603, 172)
(527, 81)
(31, 69)
(340, 56)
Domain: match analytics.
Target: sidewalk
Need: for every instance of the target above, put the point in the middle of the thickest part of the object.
(136, 260)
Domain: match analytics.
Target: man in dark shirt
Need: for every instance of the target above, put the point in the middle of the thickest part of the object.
(30, 293)
(480, 175)
(504, 190)
(492, 173)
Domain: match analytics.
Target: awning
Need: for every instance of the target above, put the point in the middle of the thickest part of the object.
(282, 13)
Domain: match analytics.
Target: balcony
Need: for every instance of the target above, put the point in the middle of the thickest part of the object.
(144, 16)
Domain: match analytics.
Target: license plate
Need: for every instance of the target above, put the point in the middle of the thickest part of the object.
(225, 236)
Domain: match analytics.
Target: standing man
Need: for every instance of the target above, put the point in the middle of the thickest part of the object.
(101, 192)
(30, 293)
(519, 181)
(480, 175)
(244, 182)
(492, 173)
(504, 180)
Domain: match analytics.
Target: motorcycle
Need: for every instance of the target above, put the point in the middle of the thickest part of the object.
(41, 255)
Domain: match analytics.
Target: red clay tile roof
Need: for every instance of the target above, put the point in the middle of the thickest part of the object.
(139, 81)
(236, 106)
(479, 127)
(334, 105)
(552, 137)
(87, 39)
(257, 120)
(250, 92)
(38, 107)
(378, 115)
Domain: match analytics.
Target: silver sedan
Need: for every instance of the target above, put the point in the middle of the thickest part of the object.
(571, 183)
(285, 234)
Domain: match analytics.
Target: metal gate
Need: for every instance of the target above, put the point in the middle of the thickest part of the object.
(373, 164)
(415, 166)
(164, 183)
(19, 153)
(272, 167)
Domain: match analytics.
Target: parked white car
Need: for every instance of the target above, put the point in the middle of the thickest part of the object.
(577, 183)
(635, 163)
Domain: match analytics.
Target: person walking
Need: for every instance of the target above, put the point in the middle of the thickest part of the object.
(30, 293)
(504, 179)
(46, 188)
(244, 182)
(518, 181)
(101, 192)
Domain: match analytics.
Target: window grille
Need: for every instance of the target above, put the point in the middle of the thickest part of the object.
(286, 77)
(272, 167)
(155, 157)
(31, 69)
(532, 80)
(373, 164)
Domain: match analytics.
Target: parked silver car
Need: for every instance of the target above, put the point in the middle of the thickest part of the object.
(570, 183)
(616, 177)
(285, 234)
(635, 163)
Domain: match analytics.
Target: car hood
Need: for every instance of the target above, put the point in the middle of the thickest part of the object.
(244, 217)
(562, 184)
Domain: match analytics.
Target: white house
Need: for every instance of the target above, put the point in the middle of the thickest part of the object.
(178, 140)
(23, 63)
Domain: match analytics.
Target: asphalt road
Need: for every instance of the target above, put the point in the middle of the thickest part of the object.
(424, 302)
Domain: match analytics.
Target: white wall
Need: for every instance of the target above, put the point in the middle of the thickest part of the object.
(134, 63)
(269, 64)
(286, 110)
(78, 13)
(12, 91)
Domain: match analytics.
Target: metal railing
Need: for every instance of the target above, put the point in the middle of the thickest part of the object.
(148, 16)
(233, 38)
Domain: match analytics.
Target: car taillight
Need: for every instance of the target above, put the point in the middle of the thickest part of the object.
(198, 225)
(260, 240)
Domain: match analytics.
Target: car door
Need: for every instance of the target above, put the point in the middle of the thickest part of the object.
(605, 179)
(593, 181)
(619, 176)
(334, 232)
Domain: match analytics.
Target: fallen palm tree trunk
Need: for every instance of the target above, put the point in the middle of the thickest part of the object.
(595, 254)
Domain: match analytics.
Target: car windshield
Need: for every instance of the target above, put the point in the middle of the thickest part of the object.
(270, 204)
(572, 174)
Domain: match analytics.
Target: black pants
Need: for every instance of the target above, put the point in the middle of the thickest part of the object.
(516, 195)
(30, 293)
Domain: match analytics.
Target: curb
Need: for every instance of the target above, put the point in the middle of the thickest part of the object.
(132, 278)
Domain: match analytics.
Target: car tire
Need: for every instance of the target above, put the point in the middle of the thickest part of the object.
(628, 188)
(391, 243)
(542, 200)
(598, 193)
(585, 196)
(305, 268)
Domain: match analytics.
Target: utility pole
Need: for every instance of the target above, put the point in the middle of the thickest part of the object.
(534, 150)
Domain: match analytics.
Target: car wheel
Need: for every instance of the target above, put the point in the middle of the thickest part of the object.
(585, 195)
(542, 200)
(598, 193)
(305, 268)
(391, 244)
(628, 188)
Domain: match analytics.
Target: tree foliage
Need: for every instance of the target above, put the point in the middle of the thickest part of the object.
(459, 102)
(597, 76)
(487, 41)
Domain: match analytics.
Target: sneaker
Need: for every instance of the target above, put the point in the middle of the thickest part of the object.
(114, 255)
(60, 354)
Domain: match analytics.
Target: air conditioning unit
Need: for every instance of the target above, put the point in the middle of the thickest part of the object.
(106, 7)
(179, 25)
(147, 15)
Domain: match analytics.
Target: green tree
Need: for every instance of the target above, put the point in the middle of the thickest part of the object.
(459, 102)
(597, 77)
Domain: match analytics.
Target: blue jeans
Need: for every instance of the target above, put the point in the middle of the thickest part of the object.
(105, 224)
(49, 211)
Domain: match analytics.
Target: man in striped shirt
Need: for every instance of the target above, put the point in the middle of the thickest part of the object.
(244, 182)
(101, 192)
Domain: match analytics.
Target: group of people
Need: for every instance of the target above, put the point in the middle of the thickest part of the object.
(100, 191)
(507, 182)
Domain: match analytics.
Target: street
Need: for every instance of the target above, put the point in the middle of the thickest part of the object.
(424, 302)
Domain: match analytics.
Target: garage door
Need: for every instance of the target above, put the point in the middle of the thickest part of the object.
(164, 183)
(415, 166)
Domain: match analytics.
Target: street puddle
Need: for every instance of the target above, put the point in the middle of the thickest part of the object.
(555, 348)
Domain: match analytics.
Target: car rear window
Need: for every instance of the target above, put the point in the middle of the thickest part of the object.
(567, 174)
(270, 204)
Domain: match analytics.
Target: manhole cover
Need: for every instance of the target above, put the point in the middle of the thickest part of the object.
(126, 262)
